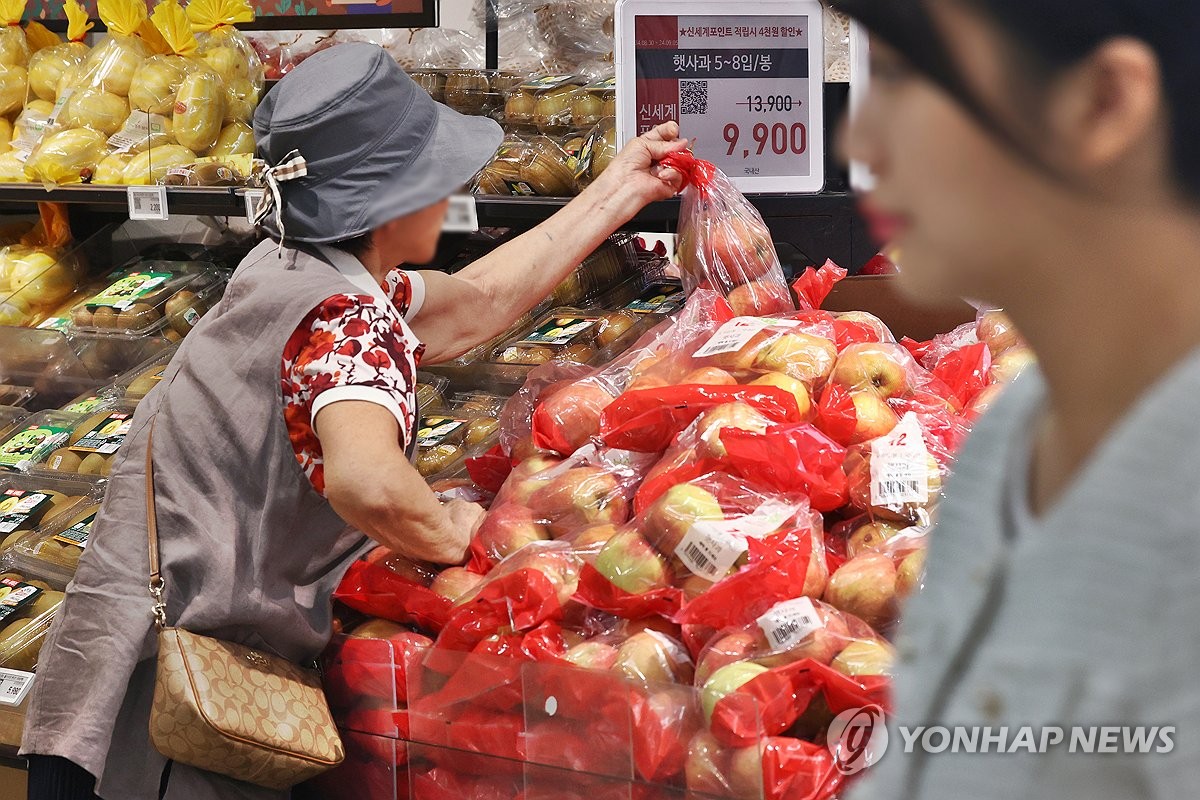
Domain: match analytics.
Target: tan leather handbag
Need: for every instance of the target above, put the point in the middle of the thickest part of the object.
(230, 709)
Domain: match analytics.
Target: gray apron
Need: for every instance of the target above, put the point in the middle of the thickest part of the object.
(250, 552)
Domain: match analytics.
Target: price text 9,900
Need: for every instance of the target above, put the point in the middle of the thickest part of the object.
(780, 138)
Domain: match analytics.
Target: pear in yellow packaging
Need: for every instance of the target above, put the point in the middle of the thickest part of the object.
(48, 66)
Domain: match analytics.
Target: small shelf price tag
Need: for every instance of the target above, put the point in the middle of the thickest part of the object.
(462, 215)
(14, 686)
(254, 199)
(148, 202)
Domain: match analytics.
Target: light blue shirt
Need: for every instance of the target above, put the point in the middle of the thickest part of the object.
(1086, 616)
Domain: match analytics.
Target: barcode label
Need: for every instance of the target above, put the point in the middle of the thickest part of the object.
(731, 337)
(789, 623)
(461, 215)
(710, 551)
(900, 465)
(148, 202)
(693, 97)
(14, 686)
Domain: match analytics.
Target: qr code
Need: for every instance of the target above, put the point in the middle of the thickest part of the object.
(693, 97)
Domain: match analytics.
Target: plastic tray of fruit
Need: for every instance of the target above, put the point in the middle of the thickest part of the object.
(93, 443)
(484, 403)
(35, 439)
(54, 548)
(477, 92)
(150, 297)
(43, 369)
(21, 635)
(10, 416)
(29, 502)
(446, 439)
(431, 391)
(553, 105)
(135, 384)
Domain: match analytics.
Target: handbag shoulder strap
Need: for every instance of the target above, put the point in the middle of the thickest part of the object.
(157, 584)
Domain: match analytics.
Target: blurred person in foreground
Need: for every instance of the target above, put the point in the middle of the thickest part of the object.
(1042, 157)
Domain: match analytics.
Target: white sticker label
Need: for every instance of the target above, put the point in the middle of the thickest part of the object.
(14, 686)
(148, 202)
(461, 215)
(141, 130)
(710, 549)
(900, 465)
(732, 336)
(789, 623)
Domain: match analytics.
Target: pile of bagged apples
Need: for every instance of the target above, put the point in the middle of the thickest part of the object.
(718, 530)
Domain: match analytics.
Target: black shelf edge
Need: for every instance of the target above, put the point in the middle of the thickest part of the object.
(210, 201)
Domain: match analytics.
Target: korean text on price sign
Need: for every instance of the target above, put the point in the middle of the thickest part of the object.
(745, 87)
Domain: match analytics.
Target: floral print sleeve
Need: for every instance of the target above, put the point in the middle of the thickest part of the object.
(351, 347)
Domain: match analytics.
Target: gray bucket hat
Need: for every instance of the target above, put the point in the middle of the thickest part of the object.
(356, 143)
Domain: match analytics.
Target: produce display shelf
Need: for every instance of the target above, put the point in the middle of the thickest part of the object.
(212, 201)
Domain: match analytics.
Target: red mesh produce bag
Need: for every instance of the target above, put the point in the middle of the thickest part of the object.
(724, 245)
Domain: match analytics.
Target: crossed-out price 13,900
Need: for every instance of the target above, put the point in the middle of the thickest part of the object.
(781, 137)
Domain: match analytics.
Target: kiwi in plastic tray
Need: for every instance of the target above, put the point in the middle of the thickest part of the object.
(53, 550)
(141, 297)
(93, 444)
(25, 620)
(27, 503)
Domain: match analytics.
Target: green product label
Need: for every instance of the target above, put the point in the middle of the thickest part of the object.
(87, 406)
(18, 507)
(560, 331)
(32, 445)
(129, 290)
(78, 533)
(14, 596)
(107, 437)
(436, 430)
(662, 298)
(54, 324)
(583, 159)
(548, 82)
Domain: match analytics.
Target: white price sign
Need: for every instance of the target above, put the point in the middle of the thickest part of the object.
(744, 80)
(14, 686)
(462, 216)
(148, 202)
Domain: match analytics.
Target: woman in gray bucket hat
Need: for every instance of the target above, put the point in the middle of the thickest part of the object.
(282, 426)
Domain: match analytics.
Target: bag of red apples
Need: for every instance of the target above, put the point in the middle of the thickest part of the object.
(697, 558)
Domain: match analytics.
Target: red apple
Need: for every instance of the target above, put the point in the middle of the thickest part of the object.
(742, 416)
(575, 412)
(651, 657)
(865, 657)
(456, 583)
(872, 367)
(593, 537)
(524, 450)
(379, 629)
(707, 765)
(746, 772)
(729, 649)
(789, 384)
(998, 332)
(671, 516)
(879, 331)
(592, 655)
(759, 299)
(865, 587)
(561, 568)
(693, 586)
(646, 382)
(725, 681)
(858, 476)
(708, 376)
(1012, 363)
(802, 356)
(631, 564)
(869, 536)
(733, 250)
(984, 401)
(578, 498)
(910, 573)
(872, 417)
(507, 529)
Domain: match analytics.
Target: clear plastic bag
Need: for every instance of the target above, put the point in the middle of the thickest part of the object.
(48, 66)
